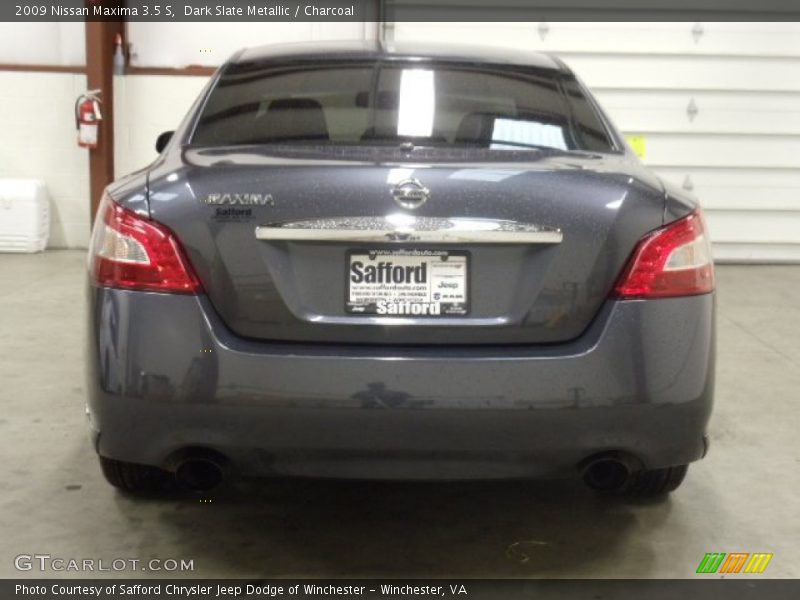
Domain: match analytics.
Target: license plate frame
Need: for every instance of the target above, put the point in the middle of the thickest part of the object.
(452, 301)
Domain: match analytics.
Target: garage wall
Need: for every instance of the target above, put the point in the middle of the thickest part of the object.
(43, 43)
(210, 44)
(717, 103)
(36, 118)
(37, 123)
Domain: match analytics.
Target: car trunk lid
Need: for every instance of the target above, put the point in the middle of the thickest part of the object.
(274, 238)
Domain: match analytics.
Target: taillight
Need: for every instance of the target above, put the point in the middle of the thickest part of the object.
(672, 261)
(132, 252)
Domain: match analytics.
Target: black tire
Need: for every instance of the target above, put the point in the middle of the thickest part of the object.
(655, 482)
(134, 478)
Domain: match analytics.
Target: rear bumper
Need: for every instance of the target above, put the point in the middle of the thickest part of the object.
(165, 374)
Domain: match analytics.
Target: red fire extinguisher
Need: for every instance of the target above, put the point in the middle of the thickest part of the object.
(87, 118)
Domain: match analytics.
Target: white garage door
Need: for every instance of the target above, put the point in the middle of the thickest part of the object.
(718, 106)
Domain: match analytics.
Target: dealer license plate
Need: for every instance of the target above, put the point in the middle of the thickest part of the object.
(403, 283)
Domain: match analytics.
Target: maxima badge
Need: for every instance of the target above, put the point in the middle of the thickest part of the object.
(246, 199)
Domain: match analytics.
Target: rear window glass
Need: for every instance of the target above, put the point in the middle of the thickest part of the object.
(393, 103)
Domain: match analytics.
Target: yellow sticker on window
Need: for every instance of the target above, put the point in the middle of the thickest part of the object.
(638, 144)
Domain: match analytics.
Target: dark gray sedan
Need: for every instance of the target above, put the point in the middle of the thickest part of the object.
(383, 261)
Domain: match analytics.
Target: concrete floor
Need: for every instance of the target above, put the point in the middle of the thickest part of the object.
(742, 498)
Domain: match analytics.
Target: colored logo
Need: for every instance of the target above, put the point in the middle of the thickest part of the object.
(735, 562)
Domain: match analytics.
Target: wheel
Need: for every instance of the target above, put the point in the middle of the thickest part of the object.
(134, 478)
(655, 482)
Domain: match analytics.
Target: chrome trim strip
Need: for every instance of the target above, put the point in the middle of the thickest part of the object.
(408, 228)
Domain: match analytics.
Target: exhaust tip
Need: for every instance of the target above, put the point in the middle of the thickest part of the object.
(606, 475)
(610, 471)
(199, 474)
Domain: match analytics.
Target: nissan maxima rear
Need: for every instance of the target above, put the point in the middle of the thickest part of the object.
(360, 261)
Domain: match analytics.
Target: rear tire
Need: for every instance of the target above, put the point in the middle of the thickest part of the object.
(655, 482)
(134, 478)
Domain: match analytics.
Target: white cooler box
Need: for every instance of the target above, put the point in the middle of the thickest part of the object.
(24, 215)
